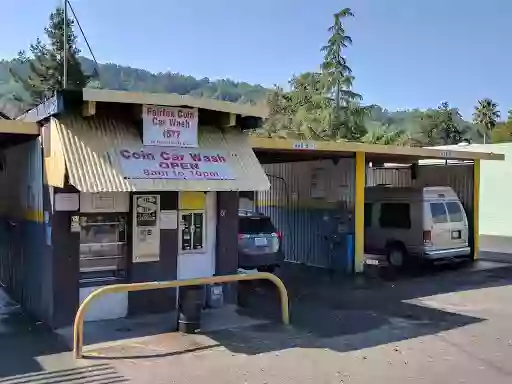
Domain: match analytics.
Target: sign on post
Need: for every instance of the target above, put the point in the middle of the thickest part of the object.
(169, 126)
(175, 163)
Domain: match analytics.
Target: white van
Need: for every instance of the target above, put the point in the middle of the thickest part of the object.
(407, 223)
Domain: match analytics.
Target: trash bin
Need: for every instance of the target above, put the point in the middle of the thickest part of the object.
(191, 301)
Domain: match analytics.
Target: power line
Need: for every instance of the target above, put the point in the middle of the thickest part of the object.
(83, 35)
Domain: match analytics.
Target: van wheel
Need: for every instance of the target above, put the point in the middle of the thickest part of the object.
(396, 256)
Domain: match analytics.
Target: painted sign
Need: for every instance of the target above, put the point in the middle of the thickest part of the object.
(169, 126)
(178, 163)
(308, 145)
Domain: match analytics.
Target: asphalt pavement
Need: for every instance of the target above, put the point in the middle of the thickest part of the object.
(450, 324)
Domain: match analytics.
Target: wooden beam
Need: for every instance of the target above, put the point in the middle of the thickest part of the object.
(18, 127)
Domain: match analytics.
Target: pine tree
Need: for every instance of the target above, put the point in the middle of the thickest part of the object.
(348, 116)
(46, 62)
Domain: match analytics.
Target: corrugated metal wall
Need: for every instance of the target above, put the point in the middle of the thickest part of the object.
(457, 176)
(22, 233)
(307, 201)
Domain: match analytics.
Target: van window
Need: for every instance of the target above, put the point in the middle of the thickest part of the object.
(438, 211)
(368, 216)
(395, 215)
(454, 211)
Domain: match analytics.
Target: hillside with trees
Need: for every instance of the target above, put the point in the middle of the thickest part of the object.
(319, 105)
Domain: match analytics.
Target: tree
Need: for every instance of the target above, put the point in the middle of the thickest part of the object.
(445, 128)
(386, 135)
(502, 133)
(46, 62)
(486, 115)
(304, 112)
(348, 116)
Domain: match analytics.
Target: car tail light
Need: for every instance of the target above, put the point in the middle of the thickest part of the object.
(241, 236)
(279, 235)
(427, 237)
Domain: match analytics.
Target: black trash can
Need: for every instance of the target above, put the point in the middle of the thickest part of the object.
(191, 300)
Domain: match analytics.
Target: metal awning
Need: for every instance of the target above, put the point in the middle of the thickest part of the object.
(296, 149)
(87, 145)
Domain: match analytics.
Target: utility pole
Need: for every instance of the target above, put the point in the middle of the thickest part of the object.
(65, 45)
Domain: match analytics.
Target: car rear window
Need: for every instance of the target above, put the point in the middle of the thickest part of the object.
(454, 211)
(251, 225)
(438, 211)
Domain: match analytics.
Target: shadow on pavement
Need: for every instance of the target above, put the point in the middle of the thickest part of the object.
(347, 316)
(94, 374)
(22, 341)
(31, 353)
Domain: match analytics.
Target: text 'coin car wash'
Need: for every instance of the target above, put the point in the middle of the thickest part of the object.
(137, 187)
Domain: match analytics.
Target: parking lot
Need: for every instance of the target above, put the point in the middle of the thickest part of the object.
(450, 324)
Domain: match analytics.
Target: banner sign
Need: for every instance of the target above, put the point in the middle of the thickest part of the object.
(169, 126)
(177, 163)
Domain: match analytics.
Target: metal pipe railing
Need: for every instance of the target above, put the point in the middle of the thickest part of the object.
(78, 328)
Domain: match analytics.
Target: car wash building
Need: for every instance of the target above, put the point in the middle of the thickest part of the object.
(123, 187)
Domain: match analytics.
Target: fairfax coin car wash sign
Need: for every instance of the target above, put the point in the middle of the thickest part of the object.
(169, 126)
(175, 163)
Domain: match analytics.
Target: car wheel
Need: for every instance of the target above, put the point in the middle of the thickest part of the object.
(396, 256)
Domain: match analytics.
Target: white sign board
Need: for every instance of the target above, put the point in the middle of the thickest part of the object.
(169, 126)
(67, 201)
(176, 163)
(168, 219)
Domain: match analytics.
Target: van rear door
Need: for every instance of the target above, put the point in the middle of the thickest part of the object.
(458, 224)
(440, 226)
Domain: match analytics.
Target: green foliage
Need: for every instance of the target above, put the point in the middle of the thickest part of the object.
(442, 126)
(41, 73)
(502, 133)
(123, 78)
(321, 105)
(486, 116)
(385, 136)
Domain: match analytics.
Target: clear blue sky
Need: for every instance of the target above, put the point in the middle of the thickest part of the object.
(406, 53)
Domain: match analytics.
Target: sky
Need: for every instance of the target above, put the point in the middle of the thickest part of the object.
(406, 53)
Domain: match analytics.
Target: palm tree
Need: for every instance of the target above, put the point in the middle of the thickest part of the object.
(486, 115)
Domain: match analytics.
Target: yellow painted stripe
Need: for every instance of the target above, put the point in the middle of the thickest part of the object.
(192, 200)
(359, 211)
(34, 215)
(476, 207)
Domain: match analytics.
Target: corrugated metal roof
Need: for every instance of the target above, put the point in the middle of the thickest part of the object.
(86, 144)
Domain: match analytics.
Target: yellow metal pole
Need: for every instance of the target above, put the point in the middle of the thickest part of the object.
(476, 208)
(78, 327)
(359, 211)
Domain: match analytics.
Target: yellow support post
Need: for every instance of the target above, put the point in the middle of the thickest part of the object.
(476, 208)
(78, 328)
(359, 211)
